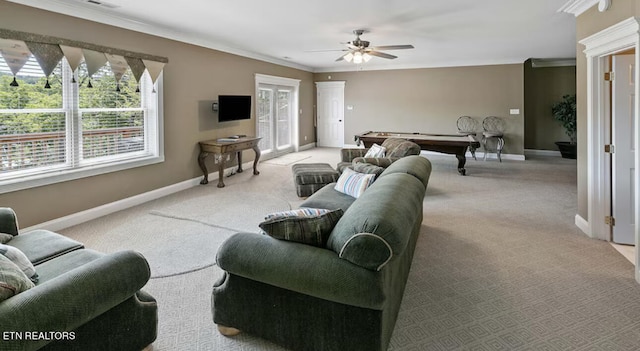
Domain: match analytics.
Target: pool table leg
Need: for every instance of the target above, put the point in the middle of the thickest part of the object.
(461, 161)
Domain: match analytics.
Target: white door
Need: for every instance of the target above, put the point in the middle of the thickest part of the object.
(623, 169)
(330, 114)
(275, 114)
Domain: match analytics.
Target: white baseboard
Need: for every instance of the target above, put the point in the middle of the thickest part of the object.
(479, 155)
(96, 212)
(533, 152)
(307, 147)
(583, 225)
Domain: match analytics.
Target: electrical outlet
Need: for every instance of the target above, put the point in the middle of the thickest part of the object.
(514, 111)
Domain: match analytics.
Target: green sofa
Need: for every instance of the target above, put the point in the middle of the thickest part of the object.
(342, 297)
(83, 299)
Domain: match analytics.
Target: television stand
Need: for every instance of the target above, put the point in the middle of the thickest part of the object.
(220, 149)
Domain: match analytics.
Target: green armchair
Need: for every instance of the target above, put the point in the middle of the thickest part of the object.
(396, 148)
(83, 299)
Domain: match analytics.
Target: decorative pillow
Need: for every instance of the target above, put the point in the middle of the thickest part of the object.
(310, 226)
(5, 238)
(12, 280)
(376, 151)
(353, 183)
(19, 259)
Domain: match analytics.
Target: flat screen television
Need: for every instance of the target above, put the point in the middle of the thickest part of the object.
(234, 107)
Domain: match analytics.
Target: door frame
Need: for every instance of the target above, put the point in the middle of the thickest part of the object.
(619, 37)
(287, 82)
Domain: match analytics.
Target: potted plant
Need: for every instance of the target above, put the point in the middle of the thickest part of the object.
(565, 112)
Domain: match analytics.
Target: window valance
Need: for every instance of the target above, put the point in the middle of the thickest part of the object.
(16, 47)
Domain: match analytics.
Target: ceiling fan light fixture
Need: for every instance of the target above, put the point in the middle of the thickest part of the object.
(366, 57)
(348, 57)
(357, 57)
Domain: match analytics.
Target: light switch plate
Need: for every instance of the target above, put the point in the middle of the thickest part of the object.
(514, 111)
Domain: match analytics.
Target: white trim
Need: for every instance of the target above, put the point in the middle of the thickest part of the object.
(547, 153)
(154, 127)
(307, 147)
(578, 7)
(598, 46)
(290, 83)
(479, 155)
(619, 37)
(583, 225)
(560, 62)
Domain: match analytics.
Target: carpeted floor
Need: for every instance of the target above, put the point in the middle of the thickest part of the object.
(499, 265)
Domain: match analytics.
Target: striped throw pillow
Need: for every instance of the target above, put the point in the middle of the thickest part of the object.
(310, 226)
(353, 183)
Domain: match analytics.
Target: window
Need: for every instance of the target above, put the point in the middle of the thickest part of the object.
(72, 130)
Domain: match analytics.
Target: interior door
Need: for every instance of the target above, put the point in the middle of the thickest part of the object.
(275, 113)
(623, 168)
(330, 114)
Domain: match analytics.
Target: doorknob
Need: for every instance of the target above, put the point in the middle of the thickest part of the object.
(339, 120)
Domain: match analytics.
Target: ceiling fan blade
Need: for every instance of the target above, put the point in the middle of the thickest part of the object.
(381, 54)
(326, 50)
(392, 47)
(342, 57)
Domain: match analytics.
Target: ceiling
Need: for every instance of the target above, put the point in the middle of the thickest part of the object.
(289, 32)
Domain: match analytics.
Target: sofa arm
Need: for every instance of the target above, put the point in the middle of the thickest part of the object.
(8, 221)
(383, 162)
(72, 299)
(301, 268)
(348, 154)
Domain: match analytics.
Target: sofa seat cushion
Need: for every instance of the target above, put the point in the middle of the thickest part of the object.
(329, 198)
(42, 245)
(377, 226)
(62, 264)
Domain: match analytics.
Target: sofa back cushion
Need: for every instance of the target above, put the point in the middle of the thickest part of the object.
(398, 147)
(417, 166)
(378, 225)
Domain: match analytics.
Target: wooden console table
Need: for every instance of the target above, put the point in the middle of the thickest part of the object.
(221, 149)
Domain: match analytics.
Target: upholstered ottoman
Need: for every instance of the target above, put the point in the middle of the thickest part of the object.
(311, 177)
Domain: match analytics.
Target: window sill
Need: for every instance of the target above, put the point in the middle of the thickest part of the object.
(37, 180)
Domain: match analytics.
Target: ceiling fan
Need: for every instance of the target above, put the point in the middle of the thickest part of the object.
(359, 50)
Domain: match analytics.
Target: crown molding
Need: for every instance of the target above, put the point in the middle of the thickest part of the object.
(559, 62)
(578, 7)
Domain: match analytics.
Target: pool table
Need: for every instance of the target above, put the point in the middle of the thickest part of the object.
(455, 144)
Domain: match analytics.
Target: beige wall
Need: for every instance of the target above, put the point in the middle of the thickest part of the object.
(543, 87)
(591, 22)
(193, 78)
(430, 100)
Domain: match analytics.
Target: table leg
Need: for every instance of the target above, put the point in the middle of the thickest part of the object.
(239, 161)
(255, 161)
(472, 149)
(221, 171)
(461, 161)
(203, 167)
